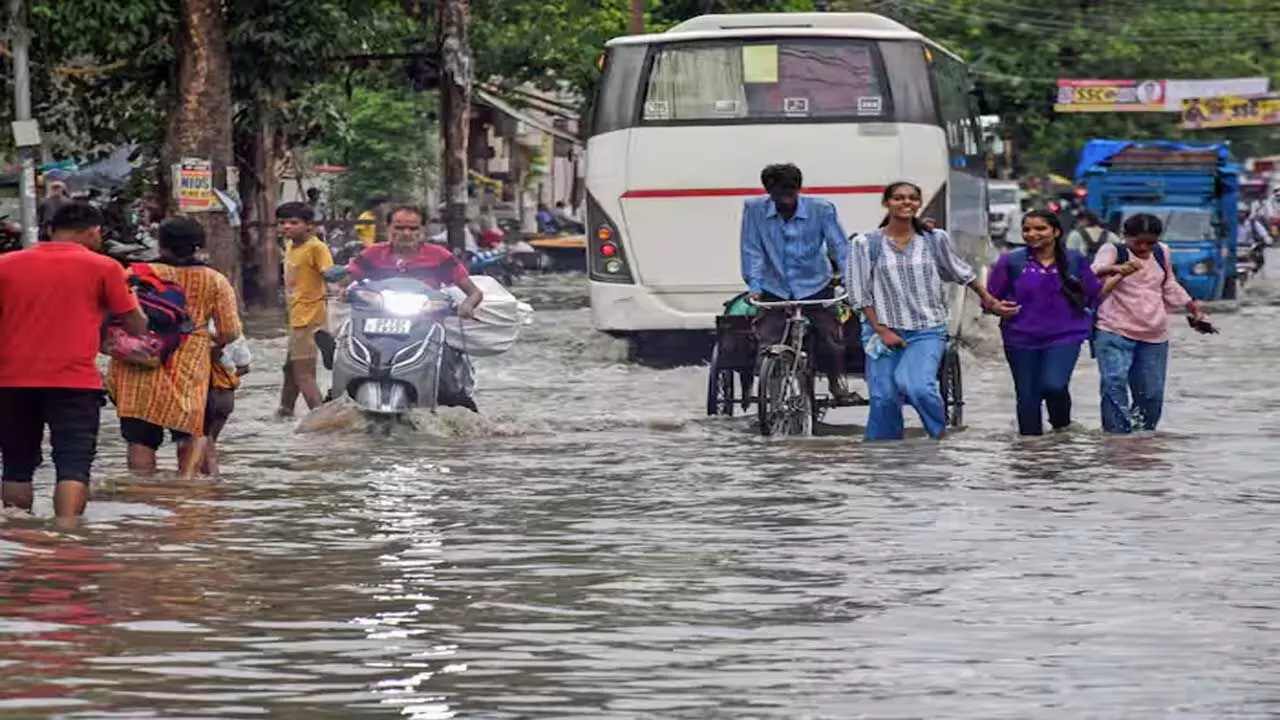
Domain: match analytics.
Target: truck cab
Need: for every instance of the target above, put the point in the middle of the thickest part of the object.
(1194, 190)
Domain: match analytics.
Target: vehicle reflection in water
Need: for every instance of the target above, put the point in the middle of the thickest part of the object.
(593, 547)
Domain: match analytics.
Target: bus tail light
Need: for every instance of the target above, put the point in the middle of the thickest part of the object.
(606, 261)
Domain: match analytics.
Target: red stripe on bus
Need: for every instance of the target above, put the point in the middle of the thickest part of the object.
(750, 192)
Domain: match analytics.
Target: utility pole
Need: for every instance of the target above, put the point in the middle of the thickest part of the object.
(455, 111)
(637, 17)
(20, 39)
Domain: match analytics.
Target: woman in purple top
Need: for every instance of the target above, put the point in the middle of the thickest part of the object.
(1056, 292)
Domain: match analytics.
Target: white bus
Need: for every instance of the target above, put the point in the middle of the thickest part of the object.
(684, 121)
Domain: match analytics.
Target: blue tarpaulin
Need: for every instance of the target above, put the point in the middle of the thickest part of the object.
(1099, 151)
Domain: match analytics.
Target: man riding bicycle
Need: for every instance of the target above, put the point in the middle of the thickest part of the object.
(789, 243)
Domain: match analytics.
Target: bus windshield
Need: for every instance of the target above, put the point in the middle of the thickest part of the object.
(766, 81)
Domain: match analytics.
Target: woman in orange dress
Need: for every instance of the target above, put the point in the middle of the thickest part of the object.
(172, 397)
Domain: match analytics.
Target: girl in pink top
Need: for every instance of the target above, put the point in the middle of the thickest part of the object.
(1132, 338)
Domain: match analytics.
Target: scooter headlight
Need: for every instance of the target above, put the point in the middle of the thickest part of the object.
(1201, 268)
(404, 304)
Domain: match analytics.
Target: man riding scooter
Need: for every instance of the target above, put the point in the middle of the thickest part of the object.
(407, 254)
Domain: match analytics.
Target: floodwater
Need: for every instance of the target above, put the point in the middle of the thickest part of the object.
(595, 547)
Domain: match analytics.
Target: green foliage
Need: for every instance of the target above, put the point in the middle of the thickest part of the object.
(283, 51)
(1018, 50)
(387, 142)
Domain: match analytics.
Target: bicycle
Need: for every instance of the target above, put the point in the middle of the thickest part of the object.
(785, 403)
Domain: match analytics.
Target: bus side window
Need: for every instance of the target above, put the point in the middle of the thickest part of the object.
(952, 82)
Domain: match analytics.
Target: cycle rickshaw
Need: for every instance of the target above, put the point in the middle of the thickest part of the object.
(779, 382)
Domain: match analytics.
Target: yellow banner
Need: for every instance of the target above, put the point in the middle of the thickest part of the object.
(1230, 111)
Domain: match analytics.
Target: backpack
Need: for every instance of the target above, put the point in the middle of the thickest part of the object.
(875, 249)
(1092, 246)
(168, 321)
(1019, 258)
(1122, 256)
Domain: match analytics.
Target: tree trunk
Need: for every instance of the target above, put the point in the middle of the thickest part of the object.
(200, 124)
(259, 187)
(455, 107)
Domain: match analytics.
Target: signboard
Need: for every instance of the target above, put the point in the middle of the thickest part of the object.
(1224, 112)
(1148, 95)
(26, 133)
(193, 186)
(1110, 96)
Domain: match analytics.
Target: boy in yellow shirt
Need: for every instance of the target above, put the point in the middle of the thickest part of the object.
(306, 259)
(367, 227)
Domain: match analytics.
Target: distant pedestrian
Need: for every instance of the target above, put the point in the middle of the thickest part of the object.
(1089, 235)
(230, 363)
(172, 396)
(54, 300)
(56, 195)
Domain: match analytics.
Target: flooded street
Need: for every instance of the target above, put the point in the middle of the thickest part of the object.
(596, 547)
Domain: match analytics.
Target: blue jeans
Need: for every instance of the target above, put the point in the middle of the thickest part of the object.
(1043, 376)
(1129, 365)
(908, 375)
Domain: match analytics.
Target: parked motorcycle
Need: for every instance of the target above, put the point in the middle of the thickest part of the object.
(390, 355)
(497, 263)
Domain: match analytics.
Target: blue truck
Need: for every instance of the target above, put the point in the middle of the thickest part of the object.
(1194, 188)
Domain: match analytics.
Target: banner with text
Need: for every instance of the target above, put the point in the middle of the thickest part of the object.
(1148, 95)
(1225, 112)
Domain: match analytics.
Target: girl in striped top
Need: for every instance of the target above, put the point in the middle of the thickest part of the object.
(896, 277)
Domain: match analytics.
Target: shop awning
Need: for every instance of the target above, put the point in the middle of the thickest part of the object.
(507, 108)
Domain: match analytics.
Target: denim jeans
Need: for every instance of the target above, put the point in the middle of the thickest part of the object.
(1043, 376)
(1131, 366)
(907, 375)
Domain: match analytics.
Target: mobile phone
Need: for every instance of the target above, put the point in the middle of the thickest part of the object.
(1204, 327)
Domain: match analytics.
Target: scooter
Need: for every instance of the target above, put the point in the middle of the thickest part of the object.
(387, 355)
(496, 263)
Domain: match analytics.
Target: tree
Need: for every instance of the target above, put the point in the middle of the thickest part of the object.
(386, 141)
(1018, 52)
(200, 122)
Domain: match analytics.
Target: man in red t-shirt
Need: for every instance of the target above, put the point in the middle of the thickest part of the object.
(408, 255)
(54, 299)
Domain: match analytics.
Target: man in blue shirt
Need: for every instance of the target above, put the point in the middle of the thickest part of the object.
(791, 247)
(547, 224)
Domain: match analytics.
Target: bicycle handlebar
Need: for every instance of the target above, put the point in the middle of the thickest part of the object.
(798, 303)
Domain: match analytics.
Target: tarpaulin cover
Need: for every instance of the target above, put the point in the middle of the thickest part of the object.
(497, 323)
(1099, 151)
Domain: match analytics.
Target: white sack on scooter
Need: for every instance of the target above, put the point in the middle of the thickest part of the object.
(497, 322)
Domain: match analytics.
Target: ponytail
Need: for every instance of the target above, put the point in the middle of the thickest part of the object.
(1072, 286)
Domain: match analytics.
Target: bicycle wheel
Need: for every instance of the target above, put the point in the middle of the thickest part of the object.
(785, 402)
(951, 386)
(719, 387)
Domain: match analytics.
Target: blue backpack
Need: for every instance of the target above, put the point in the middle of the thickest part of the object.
(1018, 262)
(165, 305)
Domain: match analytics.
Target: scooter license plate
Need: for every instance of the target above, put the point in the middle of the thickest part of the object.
(387, 326)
